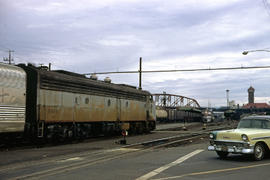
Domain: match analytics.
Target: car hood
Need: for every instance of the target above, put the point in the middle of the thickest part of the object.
(235, 134)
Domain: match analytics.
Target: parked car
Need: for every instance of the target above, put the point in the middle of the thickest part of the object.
(252, 136)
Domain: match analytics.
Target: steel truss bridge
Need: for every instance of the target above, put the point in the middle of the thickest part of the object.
(174, 101)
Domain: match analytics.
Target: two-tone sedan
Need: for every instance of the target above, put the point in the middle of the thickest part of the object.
(252, 136)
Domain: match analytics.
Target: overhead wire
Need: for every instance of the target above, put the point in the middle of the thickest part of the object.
(184, 70)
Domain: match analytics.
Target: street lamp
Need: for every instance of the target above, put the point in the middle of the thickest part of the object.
(228, 102)
(246, 52)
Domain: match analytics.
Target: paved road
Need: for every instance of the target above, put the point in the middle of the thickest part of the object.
(184, 162)
(102, 159)
(189, 162)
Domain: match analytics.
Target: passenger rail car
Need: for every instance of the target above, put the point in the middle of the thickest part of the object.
(65, 104)
(12, 98)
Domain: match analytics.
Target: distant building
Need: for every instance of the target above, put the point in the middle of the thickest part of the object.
(251, 104)
(251, 91)
(232, 104)
(256, 105)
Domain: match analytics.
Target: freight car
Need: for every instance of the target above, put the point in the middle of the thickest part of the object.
(63, 104)
(180, 114)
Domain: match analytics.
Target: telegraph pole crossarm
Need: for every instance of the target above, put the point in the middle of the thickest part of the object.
(9, 59)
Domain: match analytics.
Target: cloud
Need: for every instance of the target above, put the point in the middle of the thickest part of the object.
(110, 35)
(118, 41)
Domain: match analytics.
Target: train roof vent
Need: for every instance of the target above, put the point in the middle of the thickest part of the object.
(93, 77)
(107, 80)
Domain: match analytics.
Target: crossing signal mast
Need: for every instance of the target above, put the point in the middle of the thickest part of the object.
(9, 59)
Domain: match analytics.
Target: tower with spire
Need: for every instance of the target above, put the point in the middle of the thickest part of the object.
(251, 104)
(251, 91)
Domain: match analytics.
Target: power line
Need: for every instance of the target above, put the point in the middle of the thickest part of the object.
(184, 70)
(4, 47)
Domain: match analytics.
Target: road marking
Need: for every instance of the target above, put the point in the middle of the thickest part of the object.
(214, 171)
(71, 159)
(167, 166)
(121, 149)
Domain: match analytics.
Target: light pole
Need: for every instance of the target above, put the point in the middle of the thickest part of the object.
(246, 52)
(228, 103)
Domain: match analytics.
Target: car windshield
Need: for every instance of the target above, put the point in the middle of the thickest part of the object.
(254, 123)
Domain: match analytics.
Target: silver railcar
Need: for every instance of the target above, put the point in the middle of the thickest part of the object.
(12, 98)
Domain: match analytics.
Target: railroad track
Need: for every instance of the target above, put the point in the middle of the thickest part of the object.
(19, 143)
(61, 164)
(177, 140)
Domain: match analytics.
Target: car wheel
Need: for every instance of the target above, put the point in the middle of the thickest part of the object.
(259, 152)
(222, 154)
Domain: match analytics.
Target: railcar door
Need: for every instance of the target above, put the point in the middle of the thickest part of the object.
(148, 107)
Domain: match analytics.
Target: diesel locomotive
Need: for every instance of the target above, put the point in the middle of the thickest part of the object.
(46, 104)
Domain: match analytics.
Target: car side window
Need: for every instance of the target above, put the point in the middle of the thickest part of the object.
(257, 124)
(266, 124)
(245, 124)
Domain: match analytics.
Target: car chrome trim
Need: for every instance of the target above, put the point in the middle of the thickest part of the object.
(211, 148)
(257, 138)
(243, 142)
(233, 149)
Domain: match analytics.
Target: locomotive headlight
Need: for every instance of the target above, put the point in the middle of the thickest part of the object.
(244, 137)
(211, 136)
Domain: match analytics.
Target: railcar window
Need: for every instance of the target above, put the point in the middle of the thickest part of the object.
(109, 102)
(127, 104)
(77, 100)
(86, 100)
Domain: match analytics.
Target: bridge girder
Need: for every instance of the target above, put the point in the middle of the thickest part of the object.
(174, 101)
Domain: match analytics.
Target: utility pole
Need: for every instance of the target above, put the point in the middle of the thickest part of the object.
(9, 59)
(228, 102)
(140, 74)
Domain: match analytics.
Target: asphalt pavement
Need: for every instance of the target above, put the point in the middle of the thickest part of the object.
(102, 158)
(184, 162)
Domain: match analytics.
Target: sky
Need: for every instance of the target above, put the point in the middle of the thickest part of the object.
(86, 36)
